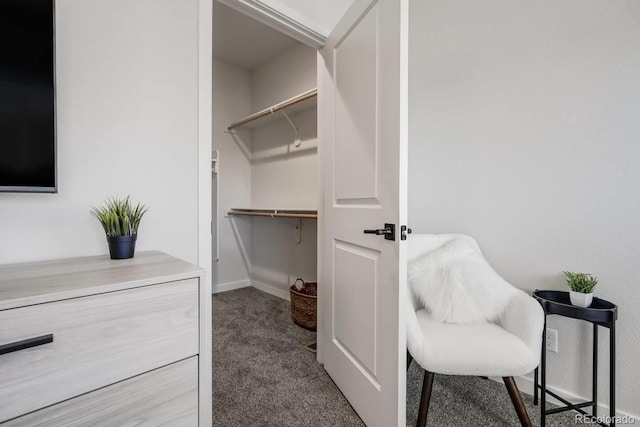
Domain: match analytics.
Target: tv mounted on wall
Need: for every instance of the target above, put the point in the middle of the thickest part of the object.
(27, 96)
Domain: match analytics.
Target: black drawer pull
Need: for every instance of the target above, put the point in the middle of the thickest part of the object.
(21, 345)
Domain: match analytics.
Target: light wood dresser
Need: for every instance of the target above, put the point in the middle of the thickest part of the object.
(99, 342)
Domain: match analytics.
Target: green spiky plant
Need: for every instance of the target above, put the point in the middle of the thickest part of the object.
(119, 217)
(581, 282)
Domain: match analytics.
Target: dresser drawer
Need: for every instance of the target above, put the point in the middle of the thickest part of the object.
(167, 396)
(97, 341)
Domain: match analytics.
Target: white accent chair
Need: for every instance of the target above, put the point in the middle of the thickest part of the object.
(507, 347)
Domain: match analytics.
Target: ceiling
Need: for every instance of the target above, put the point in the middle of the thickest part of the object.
(244, 42)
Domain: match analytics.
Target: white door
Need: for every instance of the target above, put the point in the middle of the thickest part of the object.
(362, 104)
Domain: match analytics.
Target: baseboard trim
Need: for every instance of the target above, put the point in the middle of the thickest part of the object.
(525, 385)
(277, 292)
(230, 286)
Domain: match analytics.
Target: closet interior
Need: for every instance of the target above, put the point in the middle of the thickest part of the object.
(264, 158)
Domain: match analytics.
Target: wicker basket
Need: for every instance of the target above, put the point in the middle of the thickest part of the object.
(304, 304)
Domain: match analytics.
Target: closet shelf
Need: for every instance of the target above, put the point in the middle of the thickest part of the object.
(298, 103)
(275, 213)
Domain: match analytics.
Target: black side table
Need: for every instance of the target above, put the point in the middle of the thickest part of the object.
(600, 313)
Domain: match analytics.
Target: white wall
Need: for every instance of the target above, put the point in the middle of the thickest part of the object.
(276, 259)
(287, 75)
(127, 107)
(524, 131)
(284, 176)
(232, 101)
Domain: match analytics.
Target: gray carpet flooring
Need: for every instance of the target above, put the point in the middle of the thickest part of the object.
(263, 376)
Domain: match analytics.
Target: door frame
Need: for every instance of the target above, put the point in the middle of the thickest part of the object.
(205, 129)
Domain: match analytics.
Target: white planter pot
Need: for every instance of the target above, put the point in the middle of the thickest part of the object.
(579, 299)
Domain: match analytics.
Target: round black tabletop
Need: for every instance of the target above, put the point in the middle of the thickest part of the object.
(558, 302)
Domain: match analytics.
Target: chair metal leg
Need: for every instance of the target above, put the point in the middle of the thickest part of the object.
(427, 385)
(409, 359)
(517, 401)
(535, 386)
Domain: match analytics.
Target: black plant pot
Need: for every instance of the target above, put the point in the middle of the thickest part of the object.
(122, 247)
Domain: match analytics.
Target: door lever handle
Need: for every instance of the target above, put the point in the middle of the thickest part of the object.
(379, 231)
(389, 231)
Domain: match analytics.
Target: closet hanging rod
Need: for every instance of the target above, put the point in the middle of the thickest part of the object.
(277, 107)
(274, 214)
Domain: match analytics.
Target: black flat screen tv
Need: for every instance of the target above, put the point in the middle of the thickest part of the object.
(27, 96)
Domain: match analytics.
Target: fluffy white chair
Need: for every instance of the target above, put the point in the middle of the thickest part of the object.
(466, 319)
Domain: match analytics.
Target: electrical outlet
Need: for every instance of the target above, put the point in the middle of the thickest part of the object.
(552, 340)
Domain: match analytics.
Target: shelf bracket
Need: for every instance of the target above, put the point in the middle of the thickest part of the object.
(296, 141)
(237, 133)
(298, 231)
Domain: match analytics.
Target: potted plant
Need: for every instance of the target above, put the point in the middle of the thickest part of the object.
(120, 220)
(581, 285)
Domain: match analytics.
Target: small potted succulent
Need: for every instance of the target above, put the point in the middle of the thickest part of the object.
(581, 285)
(120, 220)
